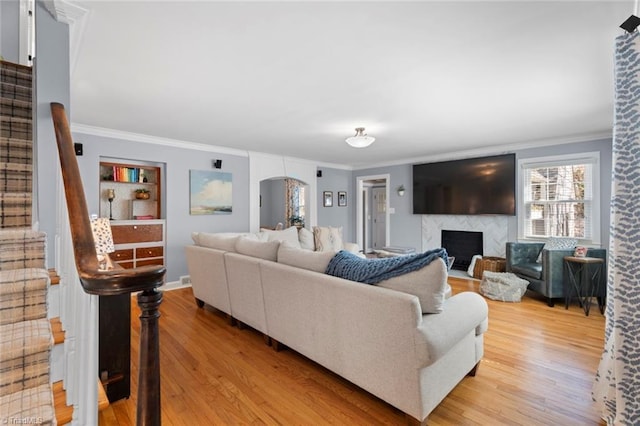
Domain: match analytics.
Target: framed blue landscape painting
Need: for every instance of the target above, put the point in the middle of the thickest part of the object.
(210, 192)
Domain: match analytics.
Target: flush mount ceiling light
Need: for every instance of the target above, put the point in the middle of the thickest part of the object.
(360, 140)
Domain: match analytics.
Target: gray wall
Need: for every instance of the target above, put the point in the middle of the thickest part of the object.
(52, 85)
(406, 228)
(337, 180)
(10, 30)
(178, 161)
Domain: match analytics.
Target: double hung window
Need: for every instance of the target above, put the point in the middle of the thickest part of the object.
(560, 198)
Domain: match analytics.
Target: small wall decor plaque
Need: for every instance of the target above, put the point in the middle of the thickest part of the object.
(342, 198)
(327, 198)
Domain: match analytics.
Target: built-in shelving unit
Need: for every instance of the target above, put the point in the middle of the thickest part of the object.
(121, 181)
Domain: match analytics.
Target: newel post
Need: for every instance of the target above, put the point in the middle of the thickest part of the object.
(148, 410)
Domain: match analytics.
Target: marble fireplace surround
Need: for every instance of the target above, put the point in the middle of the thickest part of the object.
(495, 230)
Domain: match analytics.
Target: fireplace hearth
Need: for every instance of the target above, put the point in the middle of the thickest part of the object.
(462, 245)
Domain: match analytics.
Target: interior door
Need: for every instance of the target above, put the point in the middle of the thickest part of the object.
(379, 225)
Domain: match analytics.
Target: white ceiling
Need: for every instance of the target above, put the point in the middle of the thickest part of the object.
(295, 78)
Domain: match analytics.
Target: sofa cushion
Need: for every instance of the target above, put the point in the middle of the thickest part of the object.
(306, 239)
(532, 270)
(248, 246)
(328, 238)
(316, 261)
(220, 241)
(290, 235)
(429, 284)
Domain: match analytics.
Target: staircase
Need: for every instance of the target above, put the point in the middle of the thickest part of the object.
(26, 339)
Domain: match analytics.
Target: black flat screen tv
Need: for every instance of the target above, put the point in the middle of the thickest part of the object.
(473, 186)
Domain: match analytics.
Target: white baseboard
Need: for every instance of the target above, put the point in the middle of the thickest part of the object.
(174, 285)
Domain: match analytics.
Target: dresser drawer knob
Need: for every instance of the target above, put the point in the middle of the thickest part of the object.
(135, 226)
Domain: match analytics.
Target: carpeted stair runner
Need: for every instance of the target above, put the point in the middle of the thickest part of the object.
(24, 358)
(34, 405)
(23, 294)
(16, 146)
(26, 339)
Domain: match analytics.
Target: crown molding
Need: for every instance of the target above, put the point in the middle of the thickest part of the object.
(76, 18)
(488, 150)
(139, 137)
(492, 150)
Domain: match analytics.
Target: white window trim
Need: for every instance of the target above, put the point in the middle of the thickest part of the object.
(591, 157)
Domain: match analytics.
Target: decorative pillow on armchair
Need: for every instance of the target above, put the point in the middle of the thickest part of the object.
(557, 243)
(328, 238)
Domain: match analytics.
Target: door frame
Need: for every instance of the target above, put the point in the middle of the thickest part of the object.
(360, 225)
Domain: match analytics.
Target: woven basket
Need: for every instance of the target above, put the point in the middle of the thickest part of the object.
(489, 263)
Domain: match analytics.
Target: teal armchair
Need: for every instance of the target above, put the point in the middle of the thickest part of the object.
(548, 277)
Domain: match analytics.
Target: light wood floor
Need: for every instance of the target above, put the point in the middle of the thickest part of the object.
(538, 369)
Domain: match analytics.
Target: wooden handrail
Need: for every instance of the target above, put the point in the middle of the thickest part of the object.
(145, 280)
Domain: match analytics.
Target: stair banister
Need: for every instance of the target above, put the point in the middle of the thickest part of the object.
(144, 280)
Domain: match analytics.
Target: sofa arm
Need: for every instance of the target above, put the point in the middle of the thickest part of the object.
(352, 247)
(518, 253)
(463, 313)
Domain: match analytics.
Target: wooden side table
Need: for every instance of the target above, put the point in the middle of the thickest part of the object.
(588, 284)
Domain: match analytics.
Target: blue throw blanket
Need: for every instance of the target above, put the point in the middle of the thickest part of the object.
(371, 271)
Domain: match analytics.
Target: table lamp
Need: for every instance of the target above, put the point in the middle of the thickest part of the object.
(111, 194)
(103, 240)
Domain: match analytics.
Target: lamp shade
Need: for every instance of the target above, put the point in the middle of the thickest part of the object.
(102, 236)
(360, 139)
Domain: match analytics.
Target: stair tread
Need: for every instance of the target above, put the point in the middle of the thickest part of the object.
(16, 167)
(31, 403)
(54, 278)
(4, 140)
(23, 294)
(64, 412)
(24, 275)
(15, 102)
(29, 235)
(57, 331)
(15, 119)
(25, 338)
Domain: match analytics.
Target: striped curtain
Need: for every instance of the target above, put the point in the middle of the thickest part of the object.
(617, 386)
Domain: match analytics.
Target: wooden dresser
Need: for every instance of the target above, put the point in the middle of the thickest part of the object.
(138, 242)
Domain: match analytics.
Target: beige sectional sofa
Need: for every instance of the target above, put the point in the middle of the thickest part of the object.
(376, 337)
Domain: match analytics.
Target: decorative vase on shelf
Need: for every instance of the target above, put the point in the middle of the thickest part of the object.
(143, 195)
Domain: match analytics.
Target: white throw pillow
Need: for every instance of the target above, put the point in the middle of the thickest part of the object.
(267, 250)
(558, 243)
(429, 284)
(311, 260)
(306, 239)
(290, 235)
(328, 238)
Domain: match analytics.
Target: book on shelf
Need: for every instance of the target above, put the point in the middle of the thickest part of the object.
(128, 174)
